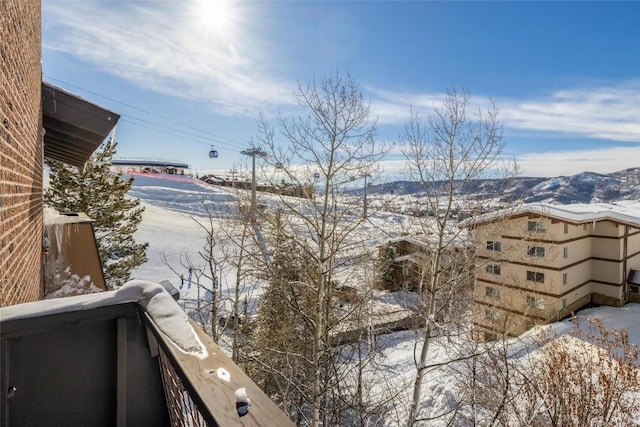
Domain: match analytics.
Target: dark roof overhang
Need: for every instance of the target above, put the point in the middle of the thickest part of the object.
(74, 127)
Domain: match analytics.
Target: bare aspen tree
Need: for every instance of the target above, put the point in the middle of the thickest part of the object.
(202, 272)
(490, 381)
(226, 251)
(322, 151)
(446, 153)
(586, 378)
(237, 253)
(211, 271)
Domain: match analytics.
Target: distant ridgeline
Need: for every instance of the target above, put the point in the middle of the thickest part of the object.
(149, 166)
(585, 187)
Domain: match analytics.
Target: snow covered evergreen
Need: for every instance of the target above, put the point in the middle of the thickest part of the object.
(102, 195)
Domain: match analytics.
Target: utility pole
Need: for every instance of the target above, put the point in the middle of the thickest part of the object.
(364, 211)
(253, 152)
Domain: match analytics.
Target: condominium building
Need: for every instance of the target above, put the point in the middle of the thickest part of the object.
(538, 263)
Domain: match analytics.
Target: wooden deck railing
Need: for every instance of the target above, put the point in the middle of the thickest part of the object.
(113, 366)
(204, 392)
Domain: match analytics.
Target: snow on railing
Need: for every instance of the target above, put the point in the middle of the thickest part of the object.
(157, 302)
(202, 386)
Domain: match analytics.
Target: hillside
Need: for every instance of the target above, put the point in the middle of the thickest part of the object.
(585, 187)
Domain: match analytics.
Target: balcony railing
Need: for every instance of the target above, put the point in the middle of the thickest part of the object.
(114, 359)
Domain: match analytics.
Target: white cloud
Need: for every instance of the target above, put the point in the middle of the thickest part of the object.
(605, 160)
(169, 50)
(548, 164)
(606, 112)
(393, 107)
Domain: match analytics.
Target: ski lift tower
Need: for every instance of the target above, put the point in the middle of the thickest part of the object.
(253, 152)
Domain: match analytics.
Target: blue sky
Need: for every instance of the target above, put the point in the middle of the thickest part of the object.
(186, 75)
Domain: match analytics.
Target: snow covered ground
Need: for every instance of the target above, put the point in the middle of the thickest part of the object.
(169, 227)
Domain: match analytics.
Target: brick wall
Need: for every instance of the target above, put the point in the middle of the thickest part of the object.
(20, 152)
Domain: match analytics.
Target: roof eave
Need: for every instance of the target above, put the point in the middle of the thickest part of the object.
(74, 127)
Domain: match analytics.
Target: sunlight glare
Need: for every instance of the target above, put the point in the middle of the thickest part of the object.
(216, 15)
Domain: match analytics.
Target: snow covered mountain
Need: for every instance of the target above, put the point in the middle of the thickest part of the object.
(585, 187)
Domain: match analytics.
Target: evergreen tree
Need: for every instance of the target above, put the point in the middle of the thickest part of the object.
(384, 268)
(95, 191)
(284, 334)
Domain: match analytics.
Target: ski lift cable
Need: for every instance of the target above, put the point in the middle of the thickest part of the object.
(167, 132)
(150, 123)
(231, 141)
(140, 109)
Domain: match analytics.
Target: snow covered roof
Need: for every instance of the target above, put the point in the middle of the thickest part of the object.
(624, 212)
(419, 240)
(52, 216)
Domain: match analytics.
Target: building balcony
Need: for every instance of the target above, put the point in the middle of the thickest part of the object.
(127, 357)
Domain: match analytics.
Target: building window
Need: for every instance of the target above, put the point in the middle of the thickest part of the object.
(564, 303)
(536, 251)
(493, 269)
(534, 276)
(566, 228)
(535, 302)
(564, 278)
(491, 314)
(565, 252)
(584, 226)
(492, 292)
(536, 226)
(494, 246)
(530, 323)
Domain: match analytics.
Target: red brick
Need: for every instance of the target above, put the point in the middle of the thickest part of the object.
(20, 152)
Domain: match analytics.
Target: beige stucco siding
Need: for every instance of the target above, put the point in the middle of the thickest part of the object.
(577, 274)
(606, 248)
(573, 231)
(606, 271)
(633, 242)
(517, 275)
(616, 292)
(578, 293)
(607, 228)
(633, 262)
(577, 251)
